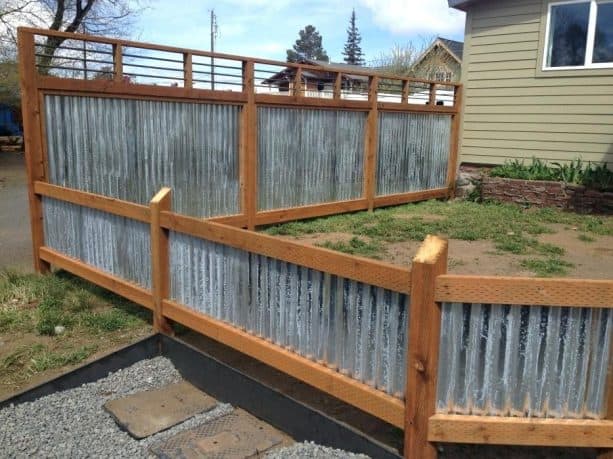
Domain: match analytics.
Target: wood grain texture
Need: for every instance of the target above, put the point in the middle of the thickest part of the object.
(310, 102)
(496, 430)
(118, 63)
(126, 89)
(249, 171)
(160, 260)
(371, 143)
(366, 398)
(33, 141)
(314, 210)
(424, 336)
(412, 196)
(188, 71)
(115, 284)
(373, 272)
(525, 291)
(94, 201)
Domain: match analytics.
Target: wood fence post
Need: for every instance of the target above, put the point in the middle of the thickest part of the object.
(160, 261)
(432, 94)
(454, 142)
(248, 147)
(33, 142)
(337, 88)
(188, 75)
(406, 85)
(371, 143)
(118, 62)
(422, 356)
(298, 88)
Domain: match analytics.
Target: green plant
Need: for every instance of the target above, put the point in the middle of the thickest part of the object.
(599, 177)
(548, 267)
(355, 246)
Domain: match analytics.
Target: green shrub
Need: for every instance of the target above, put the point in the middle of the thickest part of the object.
(596, 176)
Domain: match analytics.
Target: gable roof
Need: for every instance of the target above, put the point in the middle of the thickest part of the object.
(453, 47)
(456, 47)
(327, 72)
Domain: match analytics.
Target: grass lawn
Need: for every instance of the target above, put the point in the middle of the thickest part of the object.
(486, 238)
(95, 321)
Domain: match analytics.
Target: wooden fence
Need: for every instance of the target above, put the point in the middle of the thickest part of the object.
(103, 106)
(426, 287)
(366, 332)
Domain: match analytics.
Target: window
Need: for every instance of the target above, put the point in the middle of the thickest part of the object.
(579, 35)
(442, 76)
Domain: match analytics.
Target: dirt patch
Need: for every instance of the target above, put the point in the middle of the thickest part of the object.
(591, 260)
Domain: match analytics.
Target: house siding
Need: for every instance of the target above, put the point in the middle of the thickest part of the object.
(512, 110)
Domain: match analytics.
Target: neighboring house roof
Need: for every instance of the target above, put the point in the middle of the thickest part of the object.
(327, 72)
(453, 47)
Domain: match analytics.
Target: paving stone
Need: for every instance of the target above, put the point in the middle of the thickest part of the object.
(145, 413)
(235, 436)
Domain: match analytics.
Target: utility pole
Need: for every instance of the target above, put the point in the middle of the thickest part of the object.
(213, 37)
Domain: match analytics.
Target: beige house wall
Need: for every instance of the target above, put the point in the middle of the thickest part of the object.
(514, 109)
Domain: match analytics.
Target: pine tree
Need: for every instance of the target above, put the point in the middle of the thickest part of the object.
(353, 52)
(308, 46)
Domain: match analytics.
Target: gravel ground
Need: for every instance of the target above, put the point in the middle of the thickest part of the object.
(312, 450)
(73, 424)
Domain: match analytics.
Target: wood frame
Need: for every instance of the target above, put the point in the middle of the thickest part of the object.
(35, 86)
(424, 335)
(496, 430)
(160, 260)
(525, 290)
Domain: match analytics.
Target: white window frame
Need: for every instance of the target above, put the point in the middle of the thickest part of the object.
(591, 32)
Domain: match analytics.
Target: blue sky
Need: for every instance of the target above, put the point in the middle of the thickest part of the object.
(266, 28)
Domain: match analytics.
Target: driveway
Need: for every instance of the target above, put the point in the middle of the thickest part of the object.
(15, 242)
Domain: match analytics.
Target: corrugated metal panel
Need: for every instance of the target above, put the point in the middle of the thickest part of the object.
(129, 149)
(524, 360)
(413, 152)
(309, 156)
(359, 329)
(114, 244)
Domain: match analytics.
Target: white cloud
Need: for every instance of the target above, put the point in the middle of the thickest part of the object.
(431, 17)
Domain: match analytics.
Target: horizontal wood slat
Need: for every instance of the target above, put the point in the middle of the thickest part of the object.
(312, 102)
(413, 196)
(115, 284)
(497, 430)
(525, 291)
(416, 108)
(396, 278)
(372, 401)
(268, 217)
(124, 89)
(94, 201)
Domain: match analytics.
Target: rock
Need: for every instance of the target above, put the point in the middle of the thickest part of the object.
(59, 329)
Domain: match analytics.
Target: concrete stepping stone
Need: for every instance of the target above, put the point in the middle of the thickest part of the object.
(149, 412)
(237, 435)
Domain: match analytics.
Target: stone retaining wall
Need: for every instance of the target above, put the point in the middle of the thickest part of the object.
(540, 193)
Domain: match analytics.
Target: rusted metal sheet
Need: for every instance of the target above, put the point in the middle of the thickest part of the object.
(413, 152)
(129, 149)
(309, 156)
(359, 329)
(524, 360)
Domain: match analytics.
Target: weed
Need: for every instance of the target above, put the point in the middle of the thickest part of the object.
(548, 267)
(585, 238)
(45, 360)
(111, 320)
(355, 246)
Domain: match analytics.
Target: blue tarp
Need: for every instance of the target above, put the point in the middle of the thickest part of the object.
(9, 124)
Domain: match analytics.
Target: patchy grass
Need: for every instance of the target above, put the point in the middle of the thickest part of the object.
(586, 238)
(32, 306)
(512, 229)
(551, 266)
(356, 246)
